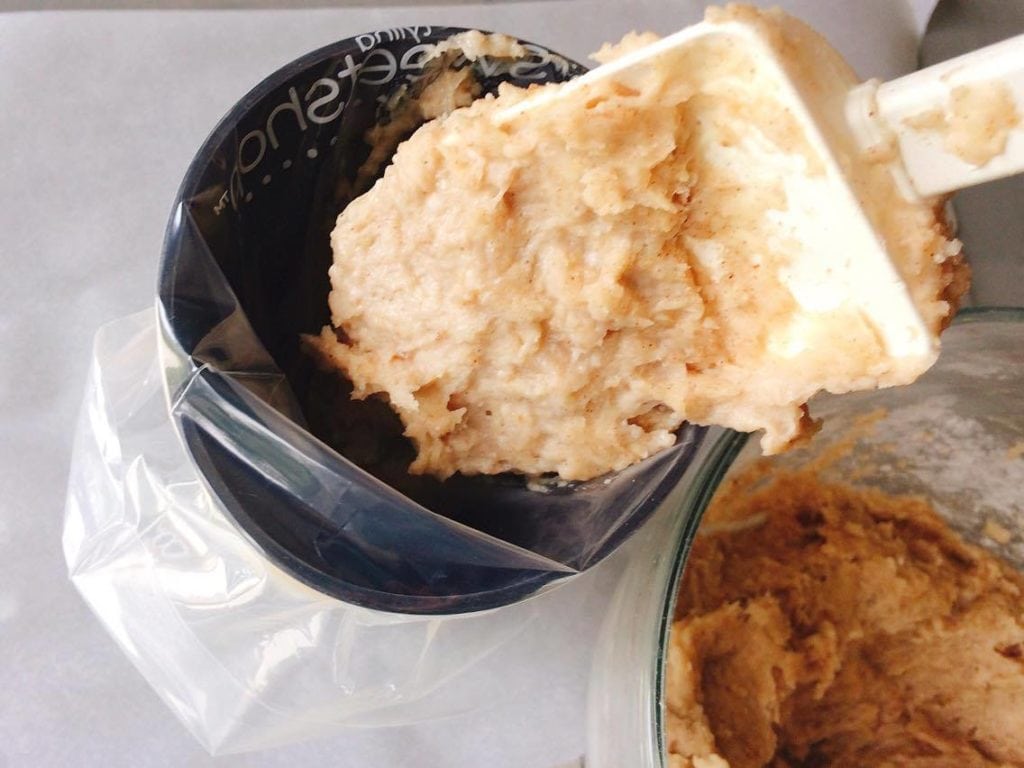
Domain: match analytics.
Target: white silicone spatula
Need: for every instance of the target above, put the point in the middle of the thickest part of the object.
(955, 124)
(958, 123)
(938, 130)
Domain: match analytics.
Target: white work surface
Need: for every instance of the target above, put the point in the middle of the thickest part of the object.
(101, 113)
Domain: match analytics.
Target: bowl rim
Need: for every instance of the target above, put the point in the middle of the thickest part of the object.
(698, 497)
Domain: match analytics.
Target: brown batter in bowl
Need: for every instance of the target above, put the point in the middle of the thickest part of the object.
(860, 601)
(822, 624)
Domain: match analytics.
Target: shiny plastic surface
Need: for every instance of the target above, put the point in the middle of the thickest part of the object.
(246, 656)
(955, 436)
(317, 481)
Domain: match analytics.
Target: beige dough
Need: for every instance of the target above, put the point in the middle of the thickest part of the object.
(560, 291)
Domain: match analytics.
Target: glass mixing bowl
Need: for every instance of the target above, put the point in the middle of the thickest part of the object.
(956, 436)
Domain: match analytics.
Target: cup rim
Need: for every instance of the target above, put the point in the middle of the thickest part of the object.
(180, 369)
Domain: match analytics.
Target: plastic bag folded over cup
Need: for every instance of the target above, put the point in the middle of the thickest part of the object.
(246, 656)
(245, 531)
(316, 480)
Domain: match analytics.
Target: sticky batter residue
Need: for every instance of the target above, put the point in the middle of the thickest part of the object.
(976, 123)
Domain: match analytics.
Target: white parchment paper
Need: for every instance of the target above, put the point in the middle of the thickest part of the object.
(101, 113)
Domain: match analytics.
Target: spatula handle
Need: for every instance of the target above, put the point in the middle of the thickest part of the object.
(957, 124)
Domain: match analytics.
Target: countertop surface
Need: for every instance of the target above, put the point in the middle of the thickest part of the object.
(102, 111)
